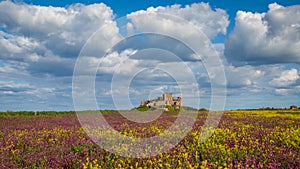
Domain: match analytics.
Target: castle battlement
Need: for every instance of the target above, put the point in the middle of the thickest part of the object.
(166, 100)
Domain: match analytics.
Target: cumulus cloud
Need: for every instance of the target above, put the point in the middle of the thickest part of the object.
(287, 77)
(245, 76)
(48, 39)
(18, 48)
(265, 38)
(52, 66)
(118, 62)
(61, 30)
(193, 24)
(211, 22)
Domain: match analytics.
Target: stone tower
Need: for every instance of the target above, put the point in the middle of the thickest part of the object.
(168, 97)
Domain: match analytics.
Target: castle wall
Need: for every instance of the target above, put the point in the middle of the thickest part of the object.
(166, 100)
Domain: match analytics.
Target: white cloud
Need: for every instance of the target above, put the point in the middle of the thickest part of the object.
(48, 39)
(242, 76)
(14, 87)
(7, 69)
(265, 38)
(113, 62)
(211, 22)
(23, 88)
(15, 47)
(283, 92)
(118, 62)
(71, 25)
(287, 77)
(63, 31)
(193, 24)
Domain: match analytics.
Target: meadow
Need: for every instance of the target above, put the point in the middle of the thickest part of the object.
(243, 139)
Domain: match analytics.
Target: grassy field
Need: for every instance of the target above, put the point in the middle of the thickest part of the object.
(243, 139)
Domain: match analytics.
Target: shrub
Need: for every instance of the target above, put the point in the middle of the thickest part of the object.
(203, 109)
(143, 108)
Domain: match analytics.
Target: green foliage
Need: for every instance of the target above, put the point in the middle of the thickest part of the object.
(203, 109)
(187, 108)
(143, 108)
(108, 111)
(172, 109)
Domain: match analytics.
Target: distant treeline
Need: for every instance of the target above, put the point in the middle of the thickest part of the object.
(32, 113)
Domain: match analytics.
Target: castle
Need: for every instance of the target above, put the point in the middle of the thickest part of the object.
(166, 100)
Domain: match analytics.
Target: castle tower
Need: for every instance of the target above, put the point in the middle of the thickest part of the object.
(168, 97)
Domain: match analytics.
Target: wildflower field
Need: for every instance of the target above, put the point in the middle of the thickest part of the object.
(243, 139)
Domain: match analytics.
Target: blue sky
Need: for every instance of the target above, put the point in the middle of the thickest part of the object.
(257, 43)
